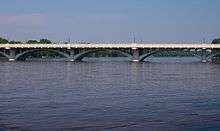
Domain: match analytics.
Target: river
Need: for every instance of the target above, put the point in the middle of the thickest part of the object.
(163, 94)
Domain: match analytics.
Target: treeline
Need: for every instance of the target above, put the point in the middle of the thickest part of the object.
(216, 58)
(216, 41)
(175, 53)
(46, 41)
(43, 41)
(106, 53)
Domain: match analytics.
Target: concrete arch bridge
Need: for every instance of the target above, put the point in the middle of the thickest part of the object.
(134, 51)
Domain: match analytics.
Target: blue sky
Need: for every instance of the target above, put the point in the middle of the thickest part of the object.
(111, 20)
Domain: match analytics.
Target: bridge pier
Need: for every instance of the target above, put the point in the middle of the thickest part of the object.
(72, 54)
(11, 55)
(135, 55)
(204, 55)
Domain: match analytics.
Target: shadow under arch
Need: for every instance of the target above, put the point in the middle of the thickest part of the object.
(80, 56)
(213, 55)
(144, 56)
(195, 54)
(25, 53)
(5, 55)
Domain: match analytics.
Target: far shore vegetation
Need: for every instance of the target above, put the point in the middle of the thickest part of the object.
(215, 51)
(47, 41)
(41, 41)
(216, 41)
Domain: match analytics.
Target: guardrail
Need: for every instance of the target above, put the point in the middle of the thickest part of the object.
(122, 45)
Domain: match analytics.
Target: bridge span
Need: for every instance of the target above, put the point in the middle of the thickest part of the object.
(135, 51)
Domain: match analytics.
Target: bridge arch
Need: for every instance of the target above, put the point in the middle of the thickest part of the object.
(144, 56)
(4, 54)
(80, 56)
(23, 54)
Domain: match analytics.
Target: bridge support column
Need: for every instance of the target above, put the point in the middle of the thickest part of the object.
(72, 54)
(204, 55)
(11, 55)
(135, 54)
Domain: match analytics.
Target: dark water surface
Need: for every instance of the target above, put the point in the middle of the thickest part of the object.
(57, 96)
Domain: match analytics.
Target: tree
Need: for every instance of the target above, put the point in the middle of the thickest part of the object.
(3, 41)
(216, 58)
(216, 41)
(45, 41)
(15, 42)
(32, 42)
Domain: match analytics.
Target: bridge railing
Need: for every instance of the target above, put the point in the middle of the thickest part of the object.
(106, 45)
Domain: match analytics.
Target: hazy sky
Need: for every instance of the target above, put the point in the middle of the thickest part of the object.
(111, 20)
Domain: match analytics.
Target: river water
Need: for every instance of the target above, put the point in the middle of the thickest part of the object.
(163, 94)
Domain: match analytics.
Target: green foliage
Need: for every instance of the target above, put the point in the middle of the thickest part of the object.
(44, 54)
(45, 41)
(174, 53)
(105, 54)
(216, 41)
(15, 42)
(32, 42)
(216, 58)
(42, 41)
(3, 41)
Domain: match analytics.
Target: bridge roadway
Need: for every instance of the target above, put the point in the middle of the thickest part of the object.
(77, 51)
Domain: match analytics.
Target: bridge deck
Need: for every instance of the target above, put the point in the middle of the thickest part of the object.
(125, 45)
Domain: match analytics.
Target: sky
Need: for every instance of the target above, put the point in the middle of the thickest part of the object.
(111, 20)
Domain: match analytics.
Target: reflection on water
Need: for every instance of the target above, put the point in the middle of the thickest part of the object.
(93, 95)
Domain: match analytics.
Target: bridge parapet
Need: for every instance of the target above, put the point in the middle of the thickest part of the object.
(122, 45)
